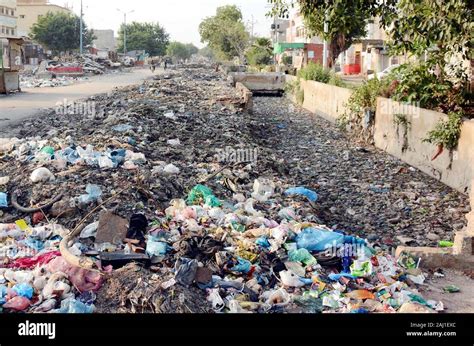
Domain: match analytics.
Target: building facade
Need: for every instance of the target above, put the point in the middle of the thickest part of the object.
(105, 40)
(29, 11)
(8, 18)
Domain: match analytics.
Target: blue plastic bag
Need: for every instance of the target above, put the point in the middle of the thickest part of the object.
(263, 242)
(156, 248)
(24, 290)
(243, 266)
(73, 306)
(3, 200)
(313, 239)
(93, 194)
(336, 277)
(302, 191)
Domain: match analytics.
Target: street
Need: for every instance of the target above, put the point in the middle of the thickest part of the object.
(15, 107)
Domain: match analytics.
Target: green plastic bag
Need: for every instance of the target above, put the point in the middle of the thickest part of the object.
(301, 255)
(202, 193)
(446, 243)
(48, 150)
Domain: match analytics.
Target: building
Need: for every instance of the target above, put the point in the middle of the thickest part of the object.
(29, 11)
(105, 40)
(278, 30)
(298, 44)
(8, 18)
(10, 47)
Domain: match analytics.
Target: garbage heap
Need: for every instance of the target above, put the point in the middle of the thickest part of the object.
(253, 253)
(132, 202)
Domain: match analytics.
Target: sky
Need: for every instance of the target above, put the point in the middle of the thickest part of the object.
(181, 18)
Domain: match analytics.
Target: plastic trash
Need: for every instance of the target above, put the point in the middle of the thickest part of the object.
(263, 242)
(186, 270)
(4, 180)
(174, 142)
(303, 256)
(48, 150)
(41, 175)
(24, 290)
(93, 194)
(215, 299)
(3, 200)
(90, 231)
(105, 162)
(243, 266)
(361, 268)
(171, 169)
(278, 298)
(263, 190)
(360, 294)
(17, 303)
(290, 279)
(155, 247)
(313, 239)
(302, 191)
(73, 306)
(203, 193)
(446, 244)
(451, 289)
(336, 277)
(122, 127)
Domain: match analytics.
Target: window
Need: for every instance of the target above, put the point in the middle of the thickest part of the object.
(22, 16)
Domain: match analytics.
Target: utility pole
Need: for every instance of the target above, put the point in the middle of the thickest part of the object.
(81, 29)
(325, 49)
(125, 29)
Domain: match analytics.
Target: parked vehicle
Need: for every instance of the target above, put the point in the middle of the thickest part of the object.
(384, 73)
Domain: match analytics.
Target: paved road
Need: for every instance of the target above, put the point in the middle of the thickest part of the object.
(14, 108)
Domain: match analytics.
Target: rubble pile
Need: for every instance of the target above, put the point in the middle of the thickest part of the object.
(168, 197)
(79, 67)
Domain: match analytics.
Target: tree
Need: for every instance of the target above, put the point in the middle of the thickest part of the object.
(60, 32)
(261, 52)
(207, 52)
(346, 20)
(443, 29)
(180, 50)
(225, 33)
(150, 37)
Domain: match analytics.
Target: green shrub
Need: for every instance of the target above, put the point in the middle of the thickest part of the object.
(318, 73)
(315, 72)
(447, 133)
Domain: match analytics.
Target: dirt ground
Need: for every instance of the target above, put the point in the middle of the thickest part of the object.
(461, 302)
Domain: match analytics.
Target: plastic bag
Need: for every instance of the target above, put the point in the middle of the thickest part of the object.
(301, 255)
(186, 270)
(215, 299)
(290, 279)
(24, 290)
(302, 191)
(361, 268)
(41, 175)
(17, 303)
(203, 193)
(3, 200)
(155, 247)
(171, 169)
(263, 242)
(263, 189)
(73, 306)
(93, 194)
(243, 266)
(313, 239)
(90, 230)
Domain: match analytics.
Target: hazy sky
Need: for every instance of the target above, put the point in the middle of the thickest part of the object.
(181, 18)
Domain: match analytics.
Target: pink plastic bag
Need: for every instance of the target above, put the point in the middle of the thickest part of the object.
(17, 303)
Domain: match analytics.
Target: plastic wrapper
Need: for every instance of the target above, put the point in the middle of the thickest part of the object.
(302, 191)
(313, 239)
